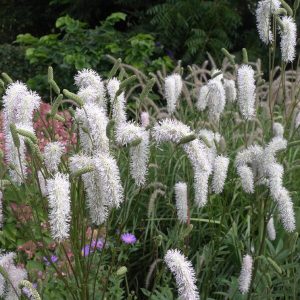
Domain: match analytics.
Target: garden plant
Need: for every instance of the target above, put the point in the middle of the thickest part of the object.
(165, 185)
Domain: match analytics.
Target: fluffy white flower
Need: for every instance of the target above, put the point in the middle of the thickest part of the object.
(15, 274)
(113, 86)
(264, 11)
(52, 154)
(145, 119)
(139, 157)
(278, 129)
(246, 91)
(19, 104)
(119, 109)
(230, 90)
(91, 87)
(288, 39)
(221, 164)
(246, 274)
(202, 98)
(93, 120)
(181, 201)
(271, 229)
(58, 190)
(1, 210)
(173, 87)
(215, 98)
(247, 178)
(184, 274)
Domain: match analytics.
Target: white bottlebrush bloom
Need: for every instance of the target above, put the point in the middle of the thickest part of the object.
(216, 97)
(108, 173)
(170, 130)
(230, 90)
(247, 178)
(264, 11)
(19, 104)
(145, 119)
(139, 157)
(246, 91)
(52, 155)
(184, 274)
(173, 87)
(221, 164)
(113, 86)
(127, 133)
(93, 119)
(15, 275)
(278, 129)
(202, 98)
(119, 109)
(89, 82)
(42, 183)
(58, 190)
(288, 39)
(271, 229)
(1, 210)
(80, 161)
(246, 274)
(181, 201)
(201, 187)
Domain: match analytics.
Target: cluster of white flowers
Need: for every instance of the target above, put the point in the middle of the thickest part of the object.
(10, 290)
(173, 87)
(52, 154)
(91, 87)
(181, 201)
(246, 274)
(264, 11)
(278, 129)
(258, 164)
(271, 229)
(19, 104)
(246, 91)
(184, 274)
(58, 189)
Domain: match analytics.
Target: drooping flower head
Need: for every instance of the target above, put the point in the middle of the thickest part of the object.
(184, 274)
(246, 274)
(264, 11)
(246, 91)
(173, 87)
(288, 39)
(181, 201)
(52, 154)
(58, 189)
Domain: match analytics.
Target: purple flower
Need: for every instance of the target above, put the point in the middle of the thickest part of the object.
(53, 259)
(128, 238)
(27, 292)
(99, 244)
(86, 250)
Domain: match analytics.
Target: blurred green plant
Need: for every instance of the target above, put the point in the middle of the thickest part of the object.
(76, 46)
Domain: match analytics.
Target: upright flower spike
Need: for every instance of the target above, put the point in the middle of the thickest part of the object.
(184, 274)
(230, 90)
(246, 91)
(58, 190)
(91, 87)
(288, 39)
(181, 201)
(271, 229)
(52, 154)
(246, 274)
(92, 132)
(278, 129)
(173, 87)
(113, 86)
(221, 164)
(264, 11)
